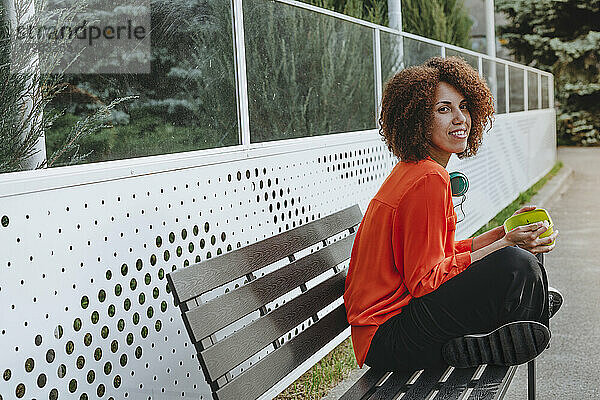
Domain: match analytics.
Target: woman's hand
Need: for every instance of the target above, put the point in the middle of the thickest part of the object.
(498, 232)
(524, 209)
(527, 237)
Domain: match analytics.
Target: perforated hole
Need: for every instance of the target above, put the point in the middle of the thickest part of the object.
(20, 390)
(50, 356)
(72, 385)
(58, 332)
(69, 347)
(62, 371)
(29, 365)
(41, 380)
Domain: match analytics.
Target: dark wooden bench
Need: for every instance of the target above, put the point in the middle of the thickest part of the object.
(252, 341)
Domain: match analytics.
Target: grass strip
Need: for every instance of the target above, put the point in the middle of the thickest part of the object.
(337, 365)
(524, 198)
(326, 374)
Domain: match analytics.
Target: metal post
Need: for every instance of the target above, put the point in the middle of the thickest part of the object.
(395, 18)
(395, 14)
(531, 380)
(490, 36)
(507, 88)
(39, 149)
(525, 90)
(551, 91)
(539, 87)
(240, 72)
(490, 28)
(378, 78)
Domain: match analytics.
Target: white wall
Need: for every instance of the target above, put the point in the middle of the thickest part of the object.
(67, 228)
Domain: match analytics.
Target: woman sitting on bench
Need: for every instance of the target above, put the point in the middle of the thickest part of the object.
(415, 297)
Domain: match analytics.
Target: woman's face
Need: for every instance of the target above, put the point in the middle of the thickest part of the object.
(450, 125)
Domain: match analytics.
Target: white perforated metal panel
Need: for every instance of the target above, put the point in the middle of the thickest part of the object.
(518, 151)
(84, 308)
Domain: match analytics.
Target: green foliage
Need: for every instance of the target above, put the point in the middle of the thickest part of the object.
(578, 127)
(443, 20)
(187, 102)
(562, 37)
(308, 74)
(30, 80)
(370, 10)
(76, 134)
(305, 85)
(25, 92)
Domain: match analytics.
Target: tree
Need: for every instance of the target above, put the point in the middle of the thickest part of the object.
(308, 74)
(30, 80)
(563, 37)
(443, 20)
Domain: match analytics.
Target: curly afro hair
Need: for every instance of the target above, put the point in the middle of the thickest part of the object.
(407, 106)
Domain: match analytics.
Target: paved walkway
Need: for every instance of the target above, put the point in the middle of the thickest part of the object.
(570, 369)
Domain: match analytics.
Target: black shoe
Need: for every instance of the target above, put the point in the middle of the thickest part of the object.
(512, 344)
(555, 299)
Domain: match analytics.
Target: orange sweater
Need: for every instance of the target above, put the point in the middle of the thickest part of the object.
(404, 248)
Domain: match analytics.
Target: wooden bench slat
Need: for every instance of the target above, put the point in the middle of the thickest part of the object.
(425, 384)
(276, 365)
(493, 382)
(216, 314)
(364, 385)
(392, 386)
(192, 281)
(269, 373)
(456, 384)
(241, 345)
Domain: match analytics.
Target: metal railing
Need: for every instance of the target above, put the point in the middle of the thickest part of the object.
(264, 35)
(516, 97)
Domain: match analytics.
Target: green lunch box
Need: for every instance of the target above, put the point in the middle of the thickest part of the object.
(529, 217)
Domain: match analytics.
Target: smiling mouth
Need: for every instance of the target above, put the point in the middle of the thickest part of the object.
(460, 134)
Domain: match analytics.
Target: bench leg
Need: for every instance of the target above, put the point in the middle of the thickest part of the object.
(531, 380)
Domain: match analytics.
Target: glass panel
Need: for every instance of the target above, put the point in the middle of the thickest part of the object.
(545, 97)
(516, 101)
(493, 73)
(532, 90)
(392, 51)
(186, 102)
(501, 79)
(417, 52)
(308, 74)
(469, 58)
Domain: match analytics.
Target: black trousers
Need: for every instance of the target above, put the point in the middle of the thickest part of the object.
(508, 285)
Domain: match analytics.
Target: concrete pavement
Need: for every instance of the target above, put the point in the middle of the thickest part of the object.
(570, 368)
